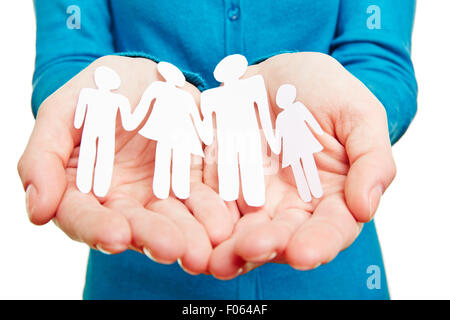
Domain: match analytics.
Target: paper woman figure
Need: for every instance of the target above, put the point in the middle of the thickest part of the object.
(298, 142)
(97, 108)
(170, 124)
(238, 134)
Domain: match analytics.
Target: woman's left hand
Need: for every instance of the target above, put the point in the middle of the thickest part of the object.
(355, 168)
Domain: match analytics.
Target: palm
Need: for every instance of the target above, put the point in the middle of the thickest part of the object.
(263, 234)
(133, 169)
(283, 190)
(166, 229)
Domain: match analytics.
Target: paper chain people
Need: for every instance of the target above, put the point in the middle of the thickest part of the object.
(176, 126)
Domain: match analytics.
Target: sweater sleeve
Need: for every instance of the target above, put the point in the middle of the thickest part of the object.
(373, 42)
(70, 34)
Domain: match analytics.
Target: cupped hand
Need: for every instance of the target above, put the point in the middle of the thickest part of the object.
(129, 216)
(355, 168)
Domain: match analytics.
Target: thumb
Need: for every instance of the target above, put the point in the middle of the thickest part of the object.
(372, 167)
(42, 165)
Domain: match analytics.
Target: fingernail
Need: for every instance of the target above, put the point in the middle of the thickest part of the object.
(307, 268)
(249, 266)
(265, 257)
(184, 269)
(100, 248)
(148, 253)
(29, 200)
(238, 273)
(374, 199)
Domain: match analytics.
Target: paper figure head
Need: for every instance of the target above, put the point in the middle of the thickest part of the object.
(106, 78)
(171, 74)
(231, 68)
(286, 95)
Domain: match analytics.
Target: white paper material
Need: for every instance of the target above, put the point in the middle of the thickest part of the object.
(298, 142)
(97, 108)
(176, 125)
(238, 136)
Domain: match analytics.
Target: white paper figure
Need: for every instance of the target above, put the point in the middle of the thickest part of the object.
(298, 142)
(238, 136)
(97, 108)
(171, 125)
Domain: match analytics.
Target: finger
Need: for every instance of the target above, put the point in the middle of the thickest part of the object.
(330, 229)
(211, 211)
(42, 166)
(198, 246)
(225, 263)
(269, 240)
(152, 233)
(372, 167)
(84, 219)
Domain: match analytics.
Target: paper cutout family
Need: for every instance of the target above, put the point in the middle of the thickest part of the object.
(176, 125)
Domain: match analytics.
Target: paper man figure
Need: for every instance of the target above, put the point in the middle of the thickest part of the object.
(97, 108)
(298, 142)
(170, 124)
(238, 136)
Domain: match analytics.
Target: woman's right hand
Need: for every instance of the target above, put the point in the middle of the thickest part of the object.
(130, 216)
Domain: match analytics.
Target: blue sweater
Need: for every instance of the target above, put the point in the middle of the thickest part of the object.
(371, 38)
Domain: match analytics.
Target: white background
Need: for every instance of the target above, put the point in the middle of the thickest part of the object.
(413, 220)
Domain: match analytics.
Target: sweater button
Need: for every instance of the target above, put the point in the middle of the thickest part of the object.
(234, 13)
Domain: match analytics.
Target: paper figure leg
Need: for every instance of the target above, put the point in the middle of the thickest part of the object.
(228, 172)
(252, 175)
(181, 173)
(300, 181)
(86, 161)
(104, 166)
(161, 176)
(312, 175)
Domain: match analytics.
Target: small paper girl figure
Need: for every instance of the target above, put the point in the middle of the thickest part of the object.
(298, 142)
(170, 124)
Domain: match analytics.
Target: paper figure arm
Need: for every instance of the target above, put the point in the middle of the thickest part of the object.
(262, 102)
(125, 113)
(144, 104)
(202, 127)
(207, 111)
(309, 118)
(80, 111)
